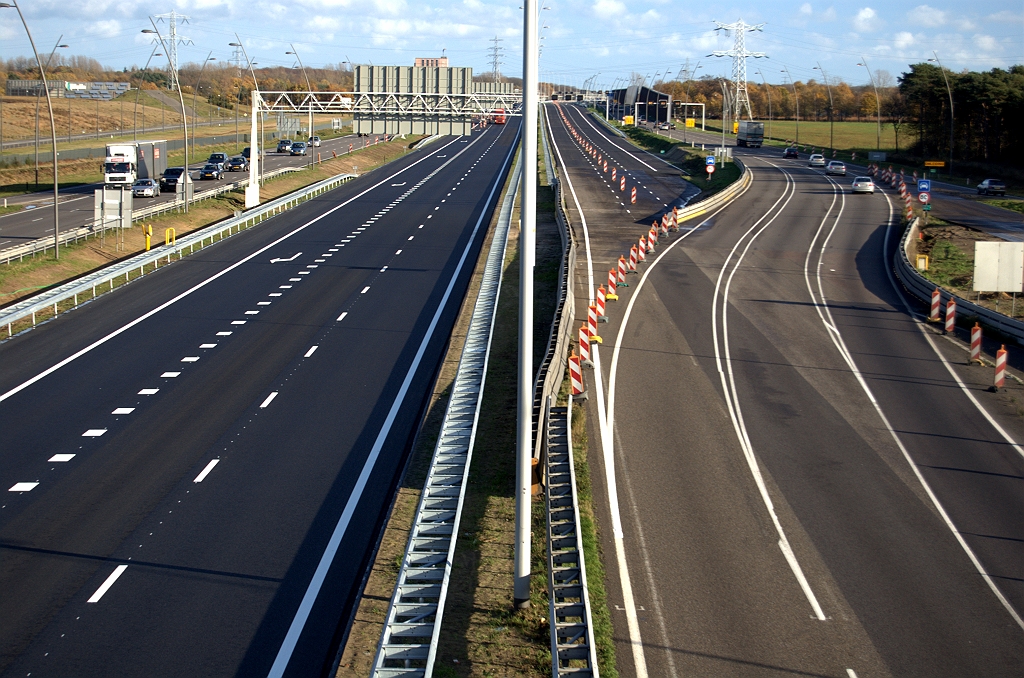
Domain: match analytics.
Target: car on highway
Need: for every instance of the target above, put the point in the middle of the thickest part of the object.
(816, 160)
(219, 159)
(314, 142)
(863, 185)
(664, 125)
(146, 188)
(284, 145)
(237, 163)
(299, 148)
(211, 171)
(171, 177)
(991, 187)
(836, 167)
(790, 153)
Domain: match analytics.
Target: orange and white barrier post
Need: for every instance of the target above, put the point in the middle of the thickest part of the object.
(975, 344)
(611, 295)
(584, 342)
(652, 238)
(595, 338)
(606, 167)
(599, 303)
(950, 315)
(633, 256)
(622, 183)
(675, 219)
(1000, 378)
(579, 390)
(621, 280)
(641, 250)
(936, 301)
(613, 173)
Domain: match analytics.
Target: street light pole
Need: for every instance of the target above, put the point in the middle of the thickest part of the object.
(878, 106)
(689, 79)
(310, 99)
(768, 90)
(796, 96)
(830, 105)
(195, 95)
(952, 120)
(53, 128)
(135, 113)
(255, 171)
(181, 100)
(48, 60)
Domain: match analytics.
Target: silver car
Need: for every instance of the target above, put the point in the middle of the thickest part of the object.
(146, 188)
(816, 160)
(836, 167)
(863, 185)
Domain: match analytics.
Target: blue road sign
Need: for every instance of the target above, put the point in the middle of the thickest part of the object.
(924, 185)
(709, 160)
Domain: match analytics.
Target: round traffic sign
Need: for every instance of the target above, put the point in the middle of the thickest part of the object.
(710, 168)
(924, 197)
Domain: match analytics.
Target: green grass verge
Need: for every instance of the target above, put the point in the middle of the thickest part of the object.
(1007, 204)
(8, 209)
(948, 266)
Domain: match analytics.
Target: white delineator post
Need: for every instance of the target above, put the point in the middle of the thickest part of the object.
(252, 189)
(527, 253)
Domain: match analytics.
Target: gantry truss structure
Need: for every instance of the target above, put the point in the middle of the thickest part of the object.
(390, 104)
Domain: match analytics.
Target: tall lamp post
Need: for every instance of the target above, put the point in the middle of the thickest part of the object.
(878, 105)
(195, 95)
(768, 90)
(951, 118)
(796, 96)
(48, 60)
(135, 113)
(830, 105)
(258, 170)
(309, 98)
(181, 100)
(689, 79)
(53, 127)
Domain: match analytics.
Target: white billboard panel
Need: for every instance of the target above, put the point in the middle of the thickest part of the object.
(998, 267)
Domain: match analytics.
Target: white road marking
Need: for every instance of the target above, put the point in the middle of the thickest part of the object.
(293, 280)
(224, 334)
(334, 249)
(412, 236)
(383, 269)
(170, 375)
(251, 312)
(190, 359)
(269, 399)
(22, 487)
(311, 350)
(61, 458)
(274, 294)
(206, 471)
(105, 586)
(320, 261)
(851, 673)
(207, 345)
(238, 322)
(123, 410)
(312, 266)
(291, 258)
(263, 303)
(342, 316)
(148, 391)
(398, 252)
(303, 272)
(365, 290)
(94, 433)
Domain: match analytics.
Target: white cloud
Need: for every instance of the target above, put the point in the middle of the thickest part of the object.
(805, 9)
(866, 20)
(104, 29)
(390, 7)
(923, 15)
(903, 39)
(986, 43)
(609, 9)
(829, 14)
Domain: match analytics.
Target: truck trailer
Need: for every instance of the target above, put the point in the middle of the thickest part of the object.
(750, 134)
(126, 163)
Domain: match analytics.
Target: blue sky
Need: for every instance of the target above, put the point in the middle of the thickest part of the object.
(581, 37)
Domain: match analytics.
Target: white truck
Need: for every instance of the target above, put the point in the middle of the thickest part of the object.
(126, 163)
(750, 133)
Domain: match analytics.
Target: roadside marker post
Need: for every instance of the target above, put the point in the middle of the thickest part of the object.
(584, 342)
(621, 281)
(613, 173)
(936, 301)
(950, 316)
(599, 303)
(622, 183)
(632, 196)
(579, 389)
(652, 238)
(1000, 377)
(675, 219)
(975, 344)
(632, 259)
(611, 295)
(595, 338)
(641, 250)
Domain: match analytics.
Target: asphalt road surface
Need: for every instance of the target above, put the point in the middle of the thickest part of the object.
(196, 467)
(76, 204)
(790, 478)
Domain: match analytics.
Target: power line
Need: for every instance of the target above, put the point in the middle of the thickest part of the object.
(496, 52)
(174, 39)
(739, 56)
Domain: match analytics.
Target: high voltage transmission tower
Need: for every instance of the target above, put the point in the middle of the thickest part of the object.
(739, 56)
(174, 39)
(496, 62)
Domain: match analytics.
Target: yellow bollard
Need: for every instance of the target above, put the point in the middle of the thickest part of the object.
(147, 241)
(169, 236)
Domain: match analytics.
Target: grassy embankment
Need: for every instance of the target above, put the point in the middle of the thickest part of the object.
(691, 161)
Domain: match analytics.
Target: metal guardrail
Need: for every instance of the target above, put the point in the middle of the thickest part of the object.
(922, 288)
(572, 640)
(40, 245)
(88, 285)
(408, 644)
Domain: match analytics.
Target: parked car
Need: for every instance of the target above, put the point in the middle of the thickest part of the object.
(171, 177)
(146, 188)
(284, 145)
(299, 148)
(816, 160)
(237, 163)
(836, 167)
(211, 171)
(991, 187)
(314, 142)
(790, 153)
(219, 159)
(863, 185)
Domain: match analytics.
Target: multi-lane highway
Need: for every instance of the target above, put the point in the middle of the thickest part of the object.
(76, 204)
(795, 477)
(196, 466)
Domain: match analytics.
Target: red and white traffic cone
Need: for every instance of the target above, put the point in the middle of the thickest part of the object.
(599, 303)
(975, 344)
(675, 219)
(613, 173)
(599, 157)
(622, 268)
(632, 194)
(606, 167)
(950, 315)
(584, 342)
(652, 239)
(1000, 377)
(595, 338)
(611, 295)
(641, 250)
(936, 301)
(632, 259)
(622, 183)
(579, 389)
(664, 224)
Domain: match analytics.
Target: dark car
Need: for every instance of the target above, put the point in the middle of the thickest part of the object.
(210, 171)
(284, 145)
(790, 153)
(171, 177)
(991, 187)
(219, 159)
(299, 148)
(237, 163)
(245, 152)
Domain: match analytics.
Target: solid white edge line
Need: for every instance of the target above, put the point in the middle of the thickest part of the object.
(105, 586)
(632, 621)
(291, 639)
(612, 141)
(269, 399)
(204, 283)
(206, 471)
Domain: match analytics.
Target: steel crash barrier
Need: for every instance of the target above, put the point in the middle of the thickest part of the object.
(69, 295)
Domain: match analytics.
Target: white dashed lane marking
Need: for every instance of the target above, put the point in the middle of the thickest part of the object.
(206, 471)
(22, 487)
(123, 410)
(105, 586)
(170, 375)
(311, 351)
(269, 399)
(148, 391)
(61, 458)
(94, 433)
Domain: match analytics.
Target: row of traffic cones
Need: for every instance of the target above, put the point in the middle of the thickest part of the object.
(999, 380)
